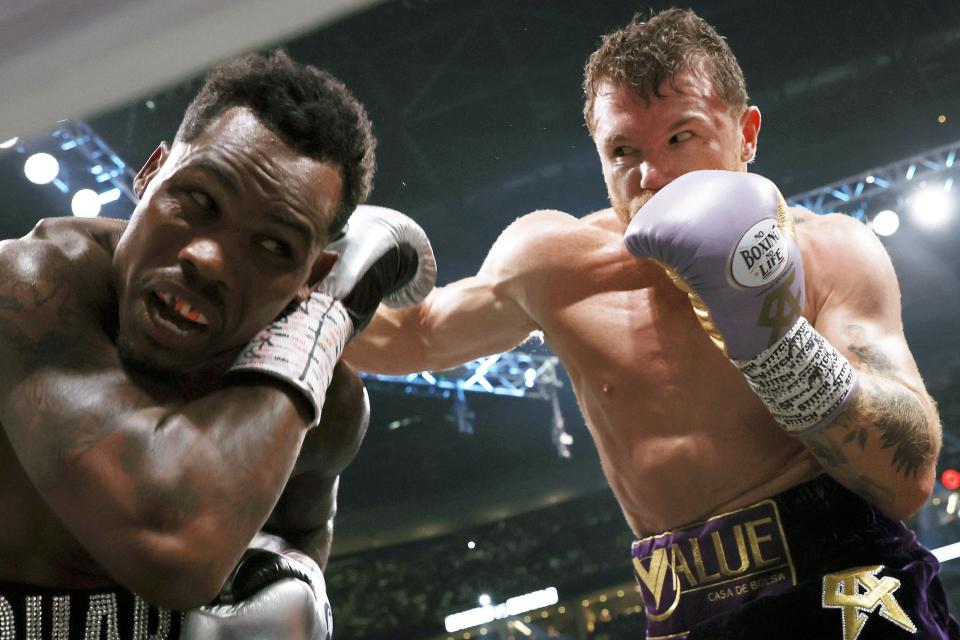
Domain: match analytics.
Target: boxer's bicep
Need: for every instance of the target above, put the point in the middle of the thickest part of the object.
(861, 311)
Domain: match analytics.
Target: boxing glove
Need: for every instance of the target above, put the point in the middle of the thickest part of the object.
(384, 255)
(274, 593)
(727, 239)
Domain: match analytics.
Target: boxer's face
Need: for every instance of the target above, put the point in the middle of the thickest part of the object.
(644, 144)
(230, 228)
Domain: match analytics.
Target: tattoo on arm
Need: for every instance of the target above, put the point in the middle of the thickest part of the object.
(40, 322)
(885, 410)
(884, 405)
(834, 460)
(890, 406)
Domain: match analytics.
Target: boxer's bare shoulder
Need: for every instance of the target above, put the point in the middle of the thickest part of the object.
(77, 237)
(553, 238)
(58, 270)
(841, 258)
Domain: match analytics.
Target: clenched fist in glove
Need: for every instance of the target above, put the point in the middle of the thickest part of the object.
(275, 593)
(727, 239)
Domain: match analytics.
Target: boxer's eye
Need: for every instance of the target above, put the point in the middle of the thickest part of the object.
(275, 247)
(683, 136)
(620, 152)
(203, 201)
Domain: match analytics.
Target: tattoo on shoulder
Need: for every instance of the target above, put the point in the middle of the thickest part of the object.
(41, 316)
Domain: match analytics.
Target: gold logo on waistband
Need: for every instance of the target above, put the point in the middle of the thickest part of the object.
(857, 592)
(654, 577)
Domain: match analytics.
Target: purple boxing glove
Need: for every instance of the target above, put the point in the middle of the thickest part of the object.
(726, 238)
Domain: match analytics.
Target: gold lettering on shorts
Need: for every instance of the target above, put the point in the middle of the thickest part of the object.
(755, 541)
(725, 569)
(654, 577)
(681, 566)
(857, 592)
(698, 563)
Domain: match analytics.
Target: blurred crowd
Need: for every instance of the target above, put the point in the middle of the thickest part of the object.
(406, 591)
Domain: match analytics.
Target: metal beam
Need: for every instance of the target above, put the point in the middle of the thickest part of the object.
(852, 195)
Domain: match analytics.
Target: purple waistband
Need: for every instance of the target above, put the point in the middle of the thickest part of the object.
(703, 570)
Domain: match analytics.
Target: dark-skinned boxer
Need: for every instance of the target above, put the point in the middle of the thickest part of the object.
(148, 431)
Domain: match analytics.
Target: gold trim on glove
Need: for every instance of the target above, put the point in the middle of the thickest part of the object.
(699, 306)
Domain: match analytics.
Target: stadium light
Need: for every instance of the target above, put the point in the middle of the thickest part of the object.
(950, 479)
(85, 203)
(41, 168)
(931, 206)
(6, 144)
(885, 223)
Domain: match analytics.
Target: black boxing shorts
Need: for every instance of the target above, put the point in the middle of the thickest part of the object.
(35, 613)
(816, 561)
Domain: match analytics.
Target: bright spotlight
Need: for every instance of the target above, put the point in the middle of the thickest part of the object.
(6, 144)
(885, 223)
(85, 203)
(484, 600)
(41, 168)
(930, 207)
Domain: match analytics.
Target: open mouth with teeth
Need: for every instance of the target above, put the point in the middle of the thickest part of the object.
(177, 314)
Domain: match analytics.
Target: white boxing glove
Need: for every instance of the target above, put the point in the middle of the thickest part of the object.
(275, 593)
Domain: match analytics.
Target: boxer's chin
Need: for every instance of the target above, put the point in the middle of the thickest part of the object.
(144, 363)
(626, 210)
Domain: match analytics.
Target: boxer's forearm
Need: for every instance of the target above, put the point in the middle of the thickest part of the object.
(315, 543)
(304, 514)
(884, 446)
(455, 324)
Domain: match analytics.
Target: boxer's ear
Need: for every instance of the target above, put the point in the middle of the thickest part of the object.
(321, 268)
(150, 168)
(750, 132)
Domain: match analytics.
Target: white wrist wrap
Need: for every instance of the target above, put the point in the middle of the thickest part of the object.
(301, 347)
(802, 379)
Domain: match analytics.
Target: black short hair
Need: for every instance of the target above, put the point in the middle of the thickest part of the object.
(308, 108)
